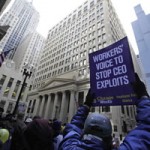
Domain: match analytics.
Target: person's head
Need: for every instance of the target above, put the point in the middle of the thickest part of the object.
(98, 125)
(56, 125)
(28, 120)
(39, 135)
(50, 122)
(36, 117)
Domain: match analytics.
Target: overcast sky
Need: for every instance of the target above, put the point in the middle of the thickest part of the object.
(53, 11)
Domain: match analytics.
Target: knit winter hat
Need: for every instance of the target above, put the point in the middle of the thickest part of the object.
(39, 135)
(98, 125)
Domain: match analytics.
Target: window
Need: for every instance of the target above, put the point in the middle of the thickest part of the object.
(99, 46)
(84, 62)
(84, 71)
(6, 92)
(10, 106)
(81, 98)
(29, 107)
(85, 8)
(104, 44)
(81, 63)
(115, 128)
(103, 36)
(127, 108)
(92, 4)
(122, 109)
(105, 108)
(32, 109)
(79, 13)
(94, 49)
(99, 38)
(16, 89)
(80, 72)
(90, 50)
(2, 80)
(124, 127)
(81, 54)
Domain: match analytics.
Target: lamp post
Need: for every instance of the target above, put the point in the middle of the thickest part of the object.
(27, 74)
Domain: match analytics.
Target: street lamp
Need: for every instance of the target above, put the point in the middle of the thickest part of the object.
(26, 73)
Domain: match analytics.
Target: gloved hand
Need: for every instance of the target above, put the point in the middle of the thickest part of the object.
(89, 98)
(139, 87)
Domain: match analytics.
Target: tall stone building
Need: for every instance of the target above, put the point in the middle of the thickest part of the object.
(26, 44)
(29, 50)
(3, 5)
(11, 77)
(62, 79)
(22, 19)
(141, 28)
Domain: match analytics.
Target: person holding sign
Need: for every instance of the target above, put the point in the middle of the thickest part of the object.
(111, 72)
(139, 138)
(87, 132)
(92, 131)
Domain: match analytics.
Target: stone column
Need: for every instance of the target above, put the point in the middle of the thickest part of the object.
(41, 106)
(71, 106)
(48, 107)
(85, 94)
(6, 106)
(55, 105)
(62, 106)
(35, 112)
(12, 88)
(76, 102)
(30, 108)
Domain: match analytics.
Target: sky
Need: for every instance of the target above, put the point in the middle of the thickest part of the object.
(53, 11)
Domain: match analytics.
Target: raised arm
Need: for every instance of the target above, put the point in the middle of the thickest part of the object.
(139, 138)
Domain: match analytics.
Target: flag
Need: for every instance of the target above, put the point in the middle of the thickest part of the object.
(3, 56)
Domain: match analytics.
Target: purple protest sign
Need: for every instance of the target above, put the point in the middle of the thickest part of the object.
(111, 75)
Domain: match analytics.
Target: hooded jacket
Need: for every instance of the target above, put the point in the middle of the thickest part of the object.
(73, 134)
(137, 139)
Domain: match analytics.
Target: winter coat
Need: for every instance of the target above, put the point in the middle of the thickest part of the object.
(57, 140)
(73, 134)
(139, 138)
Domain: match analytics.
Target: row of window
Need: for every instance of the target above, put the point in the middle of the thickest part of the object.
(78, 16)
(62, 63)
(55, 52)
(64, 40)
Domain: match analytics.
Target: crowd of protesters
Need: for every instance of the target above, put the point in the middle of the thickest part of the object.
(86, 131)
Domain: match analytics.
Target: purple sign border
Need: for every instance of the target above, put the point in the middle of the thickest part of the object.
(102, 73)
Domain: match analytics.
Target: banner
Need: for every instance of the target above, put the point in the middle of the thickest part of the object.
(111, 75)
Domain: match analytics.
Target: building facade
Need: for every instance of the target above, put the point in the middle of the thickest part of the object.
(11, 73)
(10, 85)
(25, 45)
(29, 51)
(22, 19)
(3, 5)
(62, 79)
(141, 28)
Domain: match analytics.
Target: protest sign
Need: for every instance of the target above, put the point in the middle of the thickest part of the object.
(111, 75)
